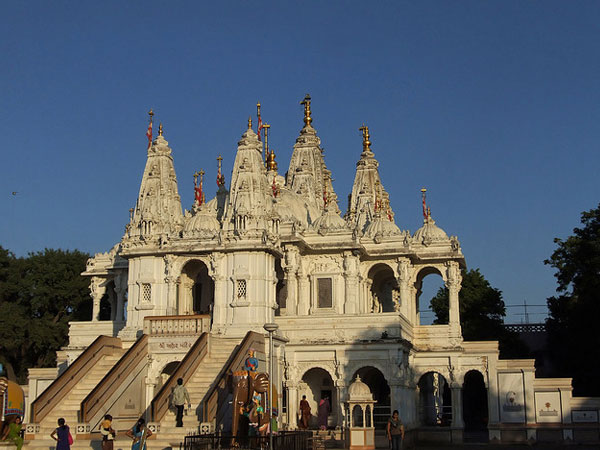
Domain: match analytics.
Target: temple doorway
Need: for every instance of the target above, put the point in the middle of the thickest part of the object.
(384, 291)
(475, 402)
(196, 290)
(317, 385)
(435, 400)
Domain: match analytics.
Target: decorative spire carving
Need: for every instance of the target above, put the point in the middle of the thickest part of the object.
(368, 200)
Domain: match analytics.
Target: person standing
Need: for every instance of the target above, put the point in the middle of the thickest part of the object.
(139, 433)
(323, 411)
(62, 436)
(304, 413)
(180, 395)
(107, 432)
(395, 431)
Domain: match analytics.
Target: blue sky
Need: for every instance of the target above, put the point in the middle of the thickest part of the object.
(493, 106)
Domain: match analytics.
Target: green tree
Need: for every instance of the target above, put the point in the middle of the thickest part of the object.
(40, 294)
(482, 313)
(575, 311)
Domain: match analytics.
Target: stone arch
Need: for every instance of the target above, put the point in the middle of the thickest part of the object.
(421, 304)
(317, 383)
(196, 288)
(380, 389)
(165, 373)
(435, 400)
(475, 401)
(383, 290)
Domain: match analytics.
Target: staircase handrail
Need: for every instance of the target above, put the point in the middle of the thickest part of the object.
(53, 394)
(111, 381)
(185, 370)
(234, 362)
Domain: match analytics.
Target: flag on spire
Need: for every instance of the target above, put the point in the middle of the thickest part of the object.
(260, 124)
(423, 191)
(149, 131)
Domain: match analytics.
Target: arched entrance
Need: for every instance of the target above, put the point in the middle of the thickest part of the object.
(475, 402)
(196, 289)
(380, 389)
(429, 281)
(384, 291)
(165, 374)
(435, 400)
(317, 384)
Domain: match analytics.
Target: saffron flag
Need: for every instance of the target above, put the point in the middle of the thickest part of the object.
(149, 134)
(260, 127)
(424, 207)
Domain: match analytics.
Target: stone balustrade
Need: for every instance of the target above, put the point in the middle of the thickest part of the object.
(176, 325)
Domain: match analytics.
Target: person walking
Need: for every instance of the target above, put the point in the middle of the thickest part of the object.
(180, 395)
(62, 436)
(304, 413)
(139, 433)
(395, 431)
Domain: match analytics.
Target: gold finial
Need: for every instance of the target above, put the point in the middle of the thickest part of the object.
(201, 176)
(196, 174)
(366, 136)
(249, 122)
(160, 129)
(258, 109)
(151, 114)
(271, 163)
(307, 112)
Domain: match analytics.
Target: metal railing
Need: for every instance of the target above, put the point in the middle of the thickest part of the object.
(284, 440)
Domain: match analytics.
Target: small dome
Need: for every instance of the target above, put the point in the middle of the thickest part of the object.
(203, 220)
(329, 221)
(381, 227)
(359, 391)
(429, 233)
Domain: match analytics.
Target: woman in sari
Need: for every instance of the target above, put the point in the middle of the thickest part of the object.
(139, 433)
(14, 433)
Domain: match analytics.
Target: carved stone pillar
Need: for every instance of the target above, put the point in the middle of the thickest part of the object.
(290, 267)
(457, 407)
(171, 281)
(97, 290)
(217, 267)
(304, 292)
(351, 283)
(453, 284)
(340, 392)
(292, 406)
(406, 306)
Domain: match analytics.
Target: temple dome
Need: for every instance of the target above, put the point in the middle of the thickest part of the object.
(204, 219)
(381, 227)
(359, 391)
(329, 221)
(429, 233)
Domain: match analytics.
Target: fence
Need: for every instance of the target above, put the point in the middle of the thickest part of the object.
(284, 440)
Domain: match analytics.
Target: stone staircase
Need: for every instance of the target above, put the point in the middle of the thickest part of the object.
(70, 405)
(206, 374)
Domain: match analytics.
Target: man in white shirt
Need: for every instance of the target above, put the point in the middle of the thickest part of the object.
(180, 395)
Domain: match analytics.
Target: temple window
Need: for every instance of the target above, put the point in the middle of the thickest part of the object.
(324, 293)
(241, 288)
(146, 292)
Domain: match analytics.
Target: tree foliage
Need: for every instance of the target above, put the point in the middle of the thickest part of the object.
(482, 313)
(39, 295)
(575, 311)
